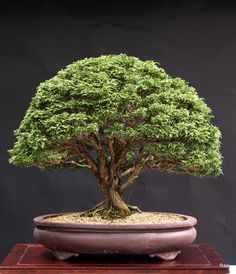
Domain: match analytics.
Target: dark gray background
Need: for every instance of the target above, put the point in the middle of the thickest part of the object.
(195, 41)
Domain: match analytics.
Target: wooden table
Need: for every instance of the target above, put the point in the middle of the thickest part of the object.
(34, 258)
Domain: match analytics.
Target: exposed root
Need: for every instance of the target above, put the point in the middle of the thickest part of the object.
(108, 211)
(134, 208)
(95, 210)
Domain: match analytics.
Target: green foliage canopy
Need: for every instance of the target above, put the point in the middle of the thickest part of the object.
(124, 110)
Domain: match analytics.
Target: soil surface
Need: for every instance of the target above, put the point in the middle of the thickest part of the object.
(134, 219)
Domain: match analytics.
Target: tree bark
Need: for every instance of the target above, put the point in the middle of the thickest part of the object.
(115, 200)
(113, 206)
(107, 171)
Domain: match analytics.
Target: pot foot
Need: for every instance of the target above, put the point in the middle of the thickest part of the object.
(60, 255)
(166, 256)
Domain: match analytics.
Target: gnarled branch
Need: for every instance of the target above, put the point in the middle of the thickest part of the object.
(87, 157)
(137, 169)
(127, 172)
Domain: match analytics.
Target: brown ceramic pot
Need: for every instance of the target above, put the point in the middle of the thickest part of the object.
(161, 240)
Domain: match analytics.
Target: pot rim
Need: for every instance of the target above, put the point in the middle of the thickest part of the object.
(39, 221)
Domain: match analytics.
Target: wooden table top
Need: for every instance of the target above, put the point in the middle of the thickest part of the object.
(34, 258)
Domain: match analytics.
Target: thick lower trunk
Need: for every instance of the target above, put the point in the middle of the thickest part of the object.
(113, 206)
(115, 200)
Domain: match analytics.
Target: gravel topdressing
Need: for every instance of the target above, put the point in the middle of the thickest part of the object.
(134, 219)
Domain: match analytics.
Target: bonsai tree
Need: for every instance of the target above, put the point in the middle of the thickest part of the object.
(118, 116)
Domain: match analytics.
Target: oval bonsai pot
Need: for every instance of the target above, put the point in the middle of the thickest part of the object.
(164, 241)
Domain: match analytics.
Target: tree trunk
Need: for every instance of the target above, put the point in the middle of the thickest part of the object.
(116, 200)
(113, 206)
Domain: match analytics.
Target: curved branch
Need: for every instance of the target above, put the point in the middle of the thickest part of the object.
(127, 172)
(92, 142)
(172, 168)
(87, 157)
(137, 169)
(76, 164)
(131, 179)
(124, 150)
